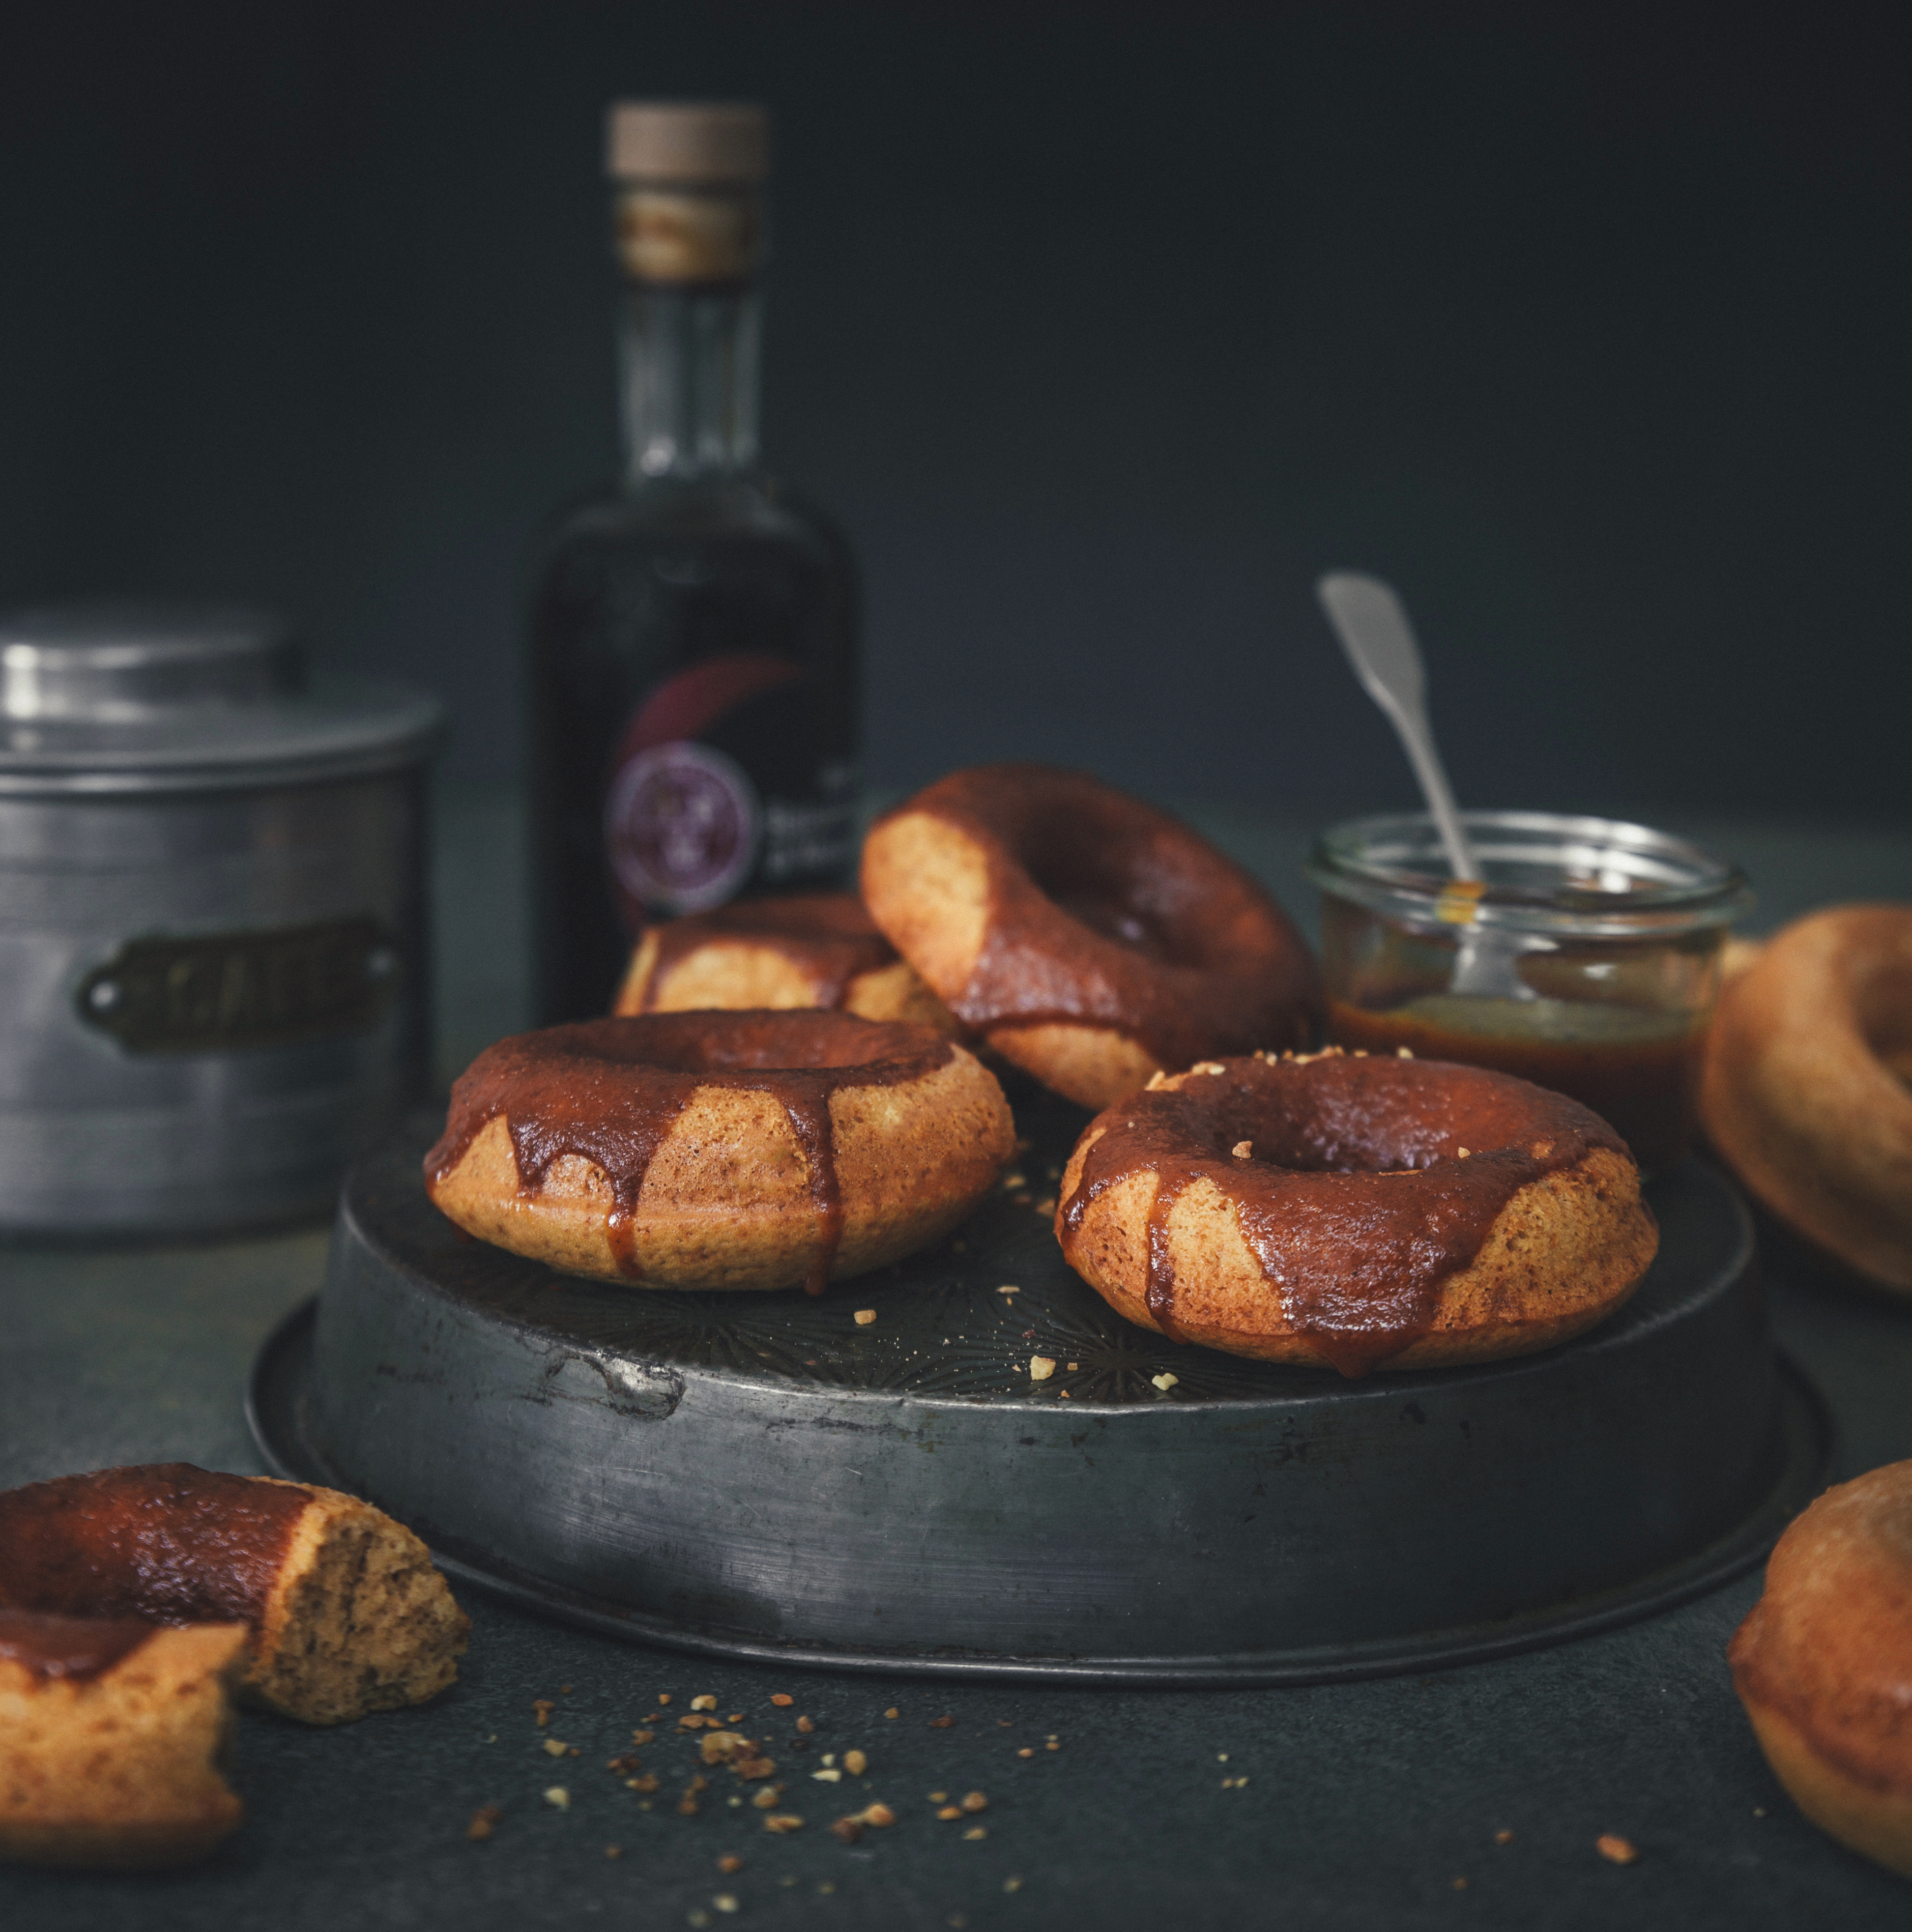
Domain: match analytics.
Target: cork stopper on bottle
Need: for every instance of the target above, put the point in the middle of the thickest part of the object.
(688, 174)
(707, 143)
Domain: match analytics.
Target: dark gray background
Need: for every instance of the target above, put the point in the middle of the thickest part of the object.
(1104, 329)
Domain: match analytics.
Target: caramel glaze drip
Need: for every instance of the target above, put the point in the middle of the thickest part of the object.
(1105, 912)
(167, 1542)
(828, 937)
(1354, 1200)
(75, 1649)
(609, 1090)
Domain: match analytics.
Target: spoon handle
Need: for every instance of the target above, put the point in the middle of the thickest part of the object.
(1374, 630)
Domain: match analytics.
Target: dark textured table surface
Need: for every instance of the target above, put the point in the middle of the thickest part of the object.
(1371, 1804)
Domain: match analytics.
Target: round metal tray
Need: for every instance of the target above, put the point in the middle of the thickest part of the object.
(759, 1475)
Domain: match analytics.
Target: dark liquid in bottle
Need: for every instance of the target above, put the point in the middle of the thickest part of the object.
(694, 707)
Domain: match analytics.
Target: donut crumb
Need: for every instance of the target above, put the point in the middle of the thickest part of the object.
(1164, 1381)
(1041, 1368)
(1615, 1850)
(782, 1700)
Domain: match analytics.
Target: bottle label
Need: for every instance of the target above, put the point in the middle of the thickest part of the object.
(682, 826)
(685, 825)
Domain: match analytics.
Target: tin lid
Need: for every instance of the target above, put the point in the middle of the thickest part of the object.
(126, 697)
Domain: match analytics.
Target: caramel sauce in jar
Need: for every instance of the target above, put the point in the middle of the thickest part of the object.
(1608, 936)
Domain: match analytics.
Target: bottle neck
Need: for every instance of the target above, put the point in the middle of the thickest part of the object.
(688, 361)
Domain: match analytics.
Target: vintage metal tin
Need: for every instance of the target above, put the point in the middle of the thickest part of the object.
(760, 1474)
(212, 920)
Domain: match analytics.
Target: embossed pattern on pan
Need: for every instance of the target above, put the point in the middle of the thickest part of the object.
(764, 1474)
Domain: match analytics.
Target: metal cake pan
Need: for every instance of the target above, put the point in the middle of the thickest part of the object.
(758, 1474)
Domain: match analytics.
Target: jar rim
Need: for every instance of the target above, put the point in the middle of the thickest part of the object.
(1615, 877)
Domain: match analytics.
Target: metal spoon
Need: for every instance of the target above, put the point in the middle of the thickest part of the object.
(1374, 630)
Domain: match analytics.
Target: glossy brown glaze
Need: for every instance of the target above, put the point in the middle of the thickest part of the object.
(168, 1542)
(1645, 1083)
(74, 1648)
(609, 1090)
(828, 937)
(1104, 912)
(1354, 1198)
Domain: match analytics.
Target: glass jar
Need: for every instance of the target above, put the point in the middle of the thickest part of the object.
(1587, 960)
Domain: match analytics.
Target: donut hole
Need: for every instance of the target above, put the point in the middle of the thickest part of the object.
(705, 1042)
(1124, 887)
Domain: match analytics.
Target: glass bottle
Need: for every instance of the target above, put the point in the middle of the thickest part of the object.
(694, 675)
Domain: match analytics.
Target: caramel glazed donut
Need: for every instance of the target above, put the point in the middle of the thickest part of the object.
(805, 950)
(1807, 1087)
(1823, 1664)
(1086, 936)
(720, 1150)
(1354, 1213)
(133, 1601)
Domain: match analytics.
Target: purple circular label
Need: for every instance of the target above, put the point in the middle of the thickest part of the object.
(681, 826)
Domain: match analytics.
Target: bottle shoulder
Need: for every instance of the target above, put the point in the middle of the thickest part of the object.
(728, 510)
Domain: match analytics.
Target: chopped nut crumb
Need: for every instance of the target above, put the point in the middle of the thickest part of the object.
(848, 1829)
(974, 1801)
(1012, 1885)
(892, 1712)
(721, 1746)
(949, 1811)
(541, 1708)
(558, 1796)
(1041, 1368)
(1025, 1752)
(729, 1863)
(688, 1808)
(942, 1724)
(642, 1737)
(767, 1797)
(879, 1815)
(663, 1696)
(1046, 1207)
(735, 1717)
(649, 1782)
(485, 1822)
(1460, 1884)
(689, 1724)
(556, 1747)
(863, 1317)
(976, 1832)
(1403, 1053)
(613, 1851)
(1462, 1153)
(1164, 1381)
(1759, 1811)
(831, 1776)
(751, 1768)
(1615, 1850)
(782, 1700)
(855, 1763)
(1012, 1181)
(564, 1690)
(1007, 1290)
(725, 1901)
(1503, 1837)
(704, 1703)
(1242, 1150)
(939, 1798)
(1052, 1745)
(782, 1823)
(805, 1725)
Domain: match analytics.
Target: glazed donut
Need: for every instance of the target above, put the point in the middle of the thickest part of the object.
(1823, 1664)
(111, 1737)
(1354, 1213)
(346, 1613)
(1804, 1090)
(720, 1150)
(810, 950)
(1087, 937)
